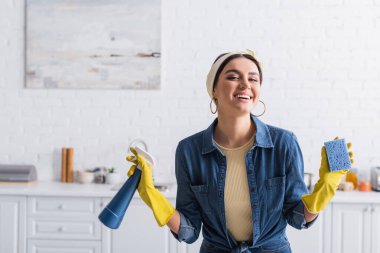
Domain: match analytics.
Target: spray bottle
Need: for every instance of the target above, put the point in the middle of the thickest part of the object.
(112, 215)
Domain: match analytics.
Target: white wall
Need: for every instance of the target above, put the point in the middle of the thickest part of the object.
(321, 79)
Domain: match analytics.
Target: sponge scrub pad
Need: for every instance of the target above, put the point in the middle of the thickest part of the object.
(337, 155)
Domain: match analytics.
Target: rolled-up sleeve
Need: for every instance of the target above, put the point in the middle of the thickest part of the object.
(295, 187)
(186, 203)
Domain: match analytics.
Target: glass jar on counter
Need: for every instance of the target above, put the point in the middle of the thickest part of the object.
(100, 175)
(352, 176)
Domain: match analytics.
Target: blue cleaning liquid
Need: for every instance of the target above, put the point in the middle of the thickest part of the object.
(112, 215)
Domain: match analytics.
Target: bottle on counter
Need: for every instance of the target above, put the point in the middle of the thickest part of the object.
(352, 176)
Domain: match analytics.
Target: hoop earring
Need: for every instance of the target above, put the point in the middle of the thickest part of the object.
(265, 108)
(216, 108)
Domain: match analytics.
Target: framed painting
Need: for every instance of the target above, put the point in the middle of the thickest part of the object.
(93, 44)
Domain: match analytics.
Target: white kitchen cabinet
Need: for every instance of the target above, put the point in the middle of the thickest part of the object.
(12, 224)
(351, 228)
(138, 232)
(375, 222)
(308, 240)
(355, 228)
(51, 217)
(63, 224)
(59, 246)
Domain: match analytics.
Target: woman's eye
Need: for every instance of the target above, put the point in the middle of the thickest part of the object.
(232, 77)
(253, 80)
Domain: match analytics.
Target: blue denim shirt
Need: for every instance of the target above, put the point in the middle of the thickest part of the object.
(275, 178)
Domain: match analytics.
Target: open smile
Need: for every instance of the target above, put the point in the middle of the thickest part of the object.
(243, 97)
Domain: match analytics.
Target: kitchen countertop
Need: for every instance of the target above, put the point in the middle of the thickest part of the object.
(55, 188)
(356, 197)
(50, 188)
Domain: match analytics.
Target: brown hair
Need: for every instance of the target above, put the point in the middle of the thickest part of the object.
(221, 67)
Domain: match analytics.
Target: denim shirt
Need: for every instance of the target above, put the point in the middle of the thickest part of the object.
(275, 179)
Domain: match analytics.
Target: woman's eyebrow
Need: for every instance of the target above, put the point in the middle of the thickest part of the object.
(237, 72)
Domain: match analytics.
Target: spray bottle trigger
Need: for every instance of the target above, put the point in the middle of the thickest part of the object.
(148, 157)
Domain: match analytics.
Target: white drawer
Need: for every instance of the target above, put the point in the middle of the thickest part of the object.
(51, 246)
(48, 228)
(58, 206)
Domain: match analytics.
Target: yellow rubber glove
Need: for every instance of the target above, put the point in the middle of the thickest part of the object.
(161, 207)
(325, 188)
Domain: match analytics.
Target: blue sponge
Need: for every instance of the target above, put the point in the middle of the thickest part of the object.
(337, 155)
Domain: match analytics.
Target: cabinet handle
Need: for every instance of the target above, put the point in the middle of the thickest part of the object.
(374, 209)
(61, 229)
(60, 207)
(366, 209)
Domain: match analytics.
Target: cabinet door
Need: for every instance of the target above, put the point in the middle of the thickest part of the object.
(63, 218)
(60, 246)
(81, 228)
(12, 224)
(375, 228)
(307, 240)
(138, 232)
(351, 228)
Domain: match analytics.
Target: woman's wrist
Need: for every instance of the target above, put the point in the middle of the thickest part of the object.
(174, 222)
(309, 216)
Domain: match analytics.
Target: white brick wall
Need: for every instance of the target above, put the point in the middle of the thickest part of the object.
(321, 79)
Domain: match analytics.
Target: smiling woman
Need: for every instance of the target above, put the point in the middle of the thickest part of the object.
(253, 172)
(240, 180)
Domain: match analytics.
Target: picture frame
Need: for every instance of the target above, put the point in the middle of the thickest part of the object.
(99, 44)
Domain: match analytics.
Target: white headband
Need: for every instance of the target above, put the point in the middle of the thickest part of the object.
(216, 65)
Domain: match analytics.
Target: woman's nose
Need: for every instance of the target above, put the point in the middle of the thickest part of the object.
(244, 84)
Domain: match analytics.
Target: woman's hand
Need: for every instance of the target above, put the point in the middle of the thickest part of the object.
(146, 181)
(327, 184)
(161, 207)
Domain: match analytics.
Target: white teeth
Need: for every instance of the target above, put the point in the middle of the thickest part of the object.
(243, 96)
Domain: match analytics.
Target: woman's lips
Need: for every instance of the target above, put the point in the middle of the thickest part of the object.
(243, 100)
(243, 95)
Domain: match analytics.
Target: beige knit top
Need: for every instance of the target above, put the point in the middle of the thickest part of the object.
(236, 193)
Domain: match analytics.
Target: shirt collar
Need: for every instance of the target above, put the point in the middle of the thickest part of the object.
(262, 138)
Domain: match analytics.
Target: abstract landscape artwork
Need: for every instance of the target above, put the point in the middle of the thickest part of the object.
(97, 44)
